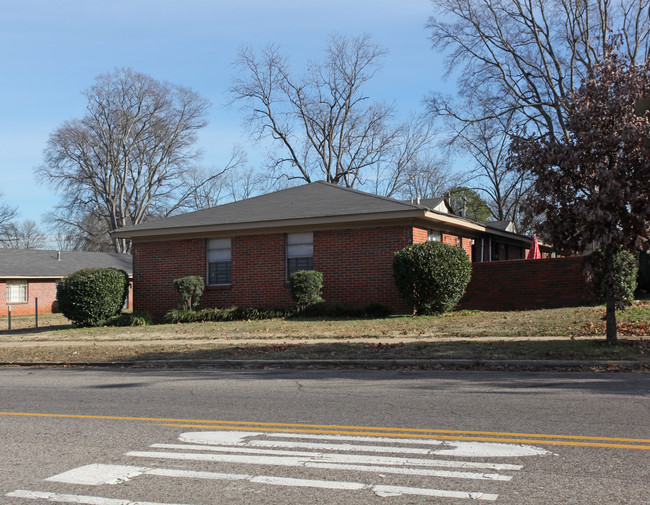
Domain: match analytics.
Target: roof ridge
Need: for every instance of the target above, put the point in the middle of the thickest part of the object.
(365, 193)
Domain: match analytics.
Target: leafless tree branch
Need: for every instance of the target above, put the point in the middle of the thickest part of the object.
(127, 157)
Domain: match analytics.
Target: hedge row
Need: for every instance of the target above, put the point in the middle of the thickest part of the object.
(322, 309)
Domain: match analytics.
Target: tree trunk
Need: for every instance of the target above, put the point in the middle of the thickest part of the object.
(612, 335)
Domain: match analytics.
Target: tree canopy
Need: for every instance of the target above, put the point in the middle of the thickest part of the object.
(7, 214)
(322, 125)
(468, 203)
(593, 186)
(516, 63)
(127, 157)
(525, 57)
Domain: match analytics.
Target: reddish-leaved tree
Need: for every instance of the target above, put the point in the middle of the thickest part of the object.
(594, 187)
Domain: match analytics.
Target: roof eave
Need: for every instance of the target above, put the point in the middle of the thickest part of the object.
(424, 215)
(267, 225)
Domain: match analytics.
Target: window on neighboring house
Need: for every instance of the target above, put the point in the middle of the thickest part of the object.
(219, 261)
(300, 252)
(434, 236)
(16, 292)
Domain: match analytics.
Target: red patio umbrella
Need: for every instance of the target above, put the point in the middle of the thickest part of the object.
(533, 253)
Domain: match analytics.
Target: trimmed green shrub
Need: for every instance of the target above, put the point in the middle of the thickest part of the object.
(175, 316)
(339, 310)
(306, 287)
(624, 279)
(221, 315)
(190, 289)
(431, 277)
(130, 319)
(90, 296)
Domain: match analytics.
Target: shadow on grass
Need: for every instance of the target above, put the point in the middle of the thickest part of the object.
(499, 350)
(33, 330)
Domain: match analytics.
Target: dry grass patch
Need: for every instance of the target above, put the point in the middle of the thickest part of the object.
(541, 334)
(475, 350)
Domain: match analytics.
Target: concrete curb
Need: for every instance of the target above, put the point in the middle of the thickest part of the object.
(387, 364)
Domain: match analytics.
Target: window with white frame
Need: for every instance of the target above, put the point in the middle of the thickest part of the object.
(434, 236)
(219, 261)
(300, 252)
(16, 292)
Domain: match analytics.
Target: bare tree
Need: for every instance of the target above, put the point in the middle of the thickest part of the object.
(487, 143)
(127, 157)
(210, 187)
(65, 241)
(246, 183)
(413, 148)
(7, 214)
(80, 231)
(25, 235)
(525, 57)
(428, 178)
(229, 184)
(325, 125)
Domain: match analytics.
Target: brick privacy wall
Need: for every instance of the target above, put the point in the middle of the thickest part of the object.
(526, 284)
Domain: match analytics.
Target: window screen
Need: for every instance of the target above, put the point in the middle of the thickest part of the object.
(300, 252)
(219, 261)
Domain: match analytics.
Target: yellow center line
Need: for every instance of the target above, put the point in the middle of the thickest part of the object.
(367, 430)
(434, 437)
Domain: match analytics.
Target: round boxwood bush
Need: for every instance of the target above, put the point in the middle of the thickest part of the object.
(306, 287)
(90, 296)
(431, 277)
(190, 289)
(623, 278)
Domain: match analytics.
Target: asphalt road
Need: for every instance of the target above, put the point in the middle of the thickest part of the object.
(204, 437)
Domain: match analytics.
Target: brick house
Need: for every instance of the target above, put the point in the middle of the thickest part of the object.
(26, 275)
(246, 250)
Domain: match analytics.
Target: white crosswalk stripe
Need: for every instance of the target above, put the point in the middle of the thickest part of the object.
(377, 460)
(74, 498)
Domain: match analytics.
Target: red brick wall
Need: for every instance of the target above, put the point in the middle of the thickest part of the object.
(44, 290)
(420, 236)
(356, 266)
(258, 274)
(526, 284)
(455, 240)
(156, 265)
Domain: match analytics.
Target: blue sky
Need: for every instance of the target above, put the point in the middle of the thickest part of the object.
(51, 50)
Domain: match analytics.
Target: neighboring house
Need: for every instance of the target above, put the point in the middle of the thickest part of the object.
(246, 250)
(29, 274)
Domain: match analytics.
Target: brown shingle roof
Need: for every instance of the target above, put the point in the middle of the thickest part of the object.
(318, 199)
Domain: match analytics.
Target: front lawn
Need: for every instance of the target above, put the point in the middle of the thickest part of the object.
(570, 333)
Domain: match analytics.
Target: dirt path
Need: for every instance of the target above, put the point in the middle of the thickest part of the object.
(269, 340)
